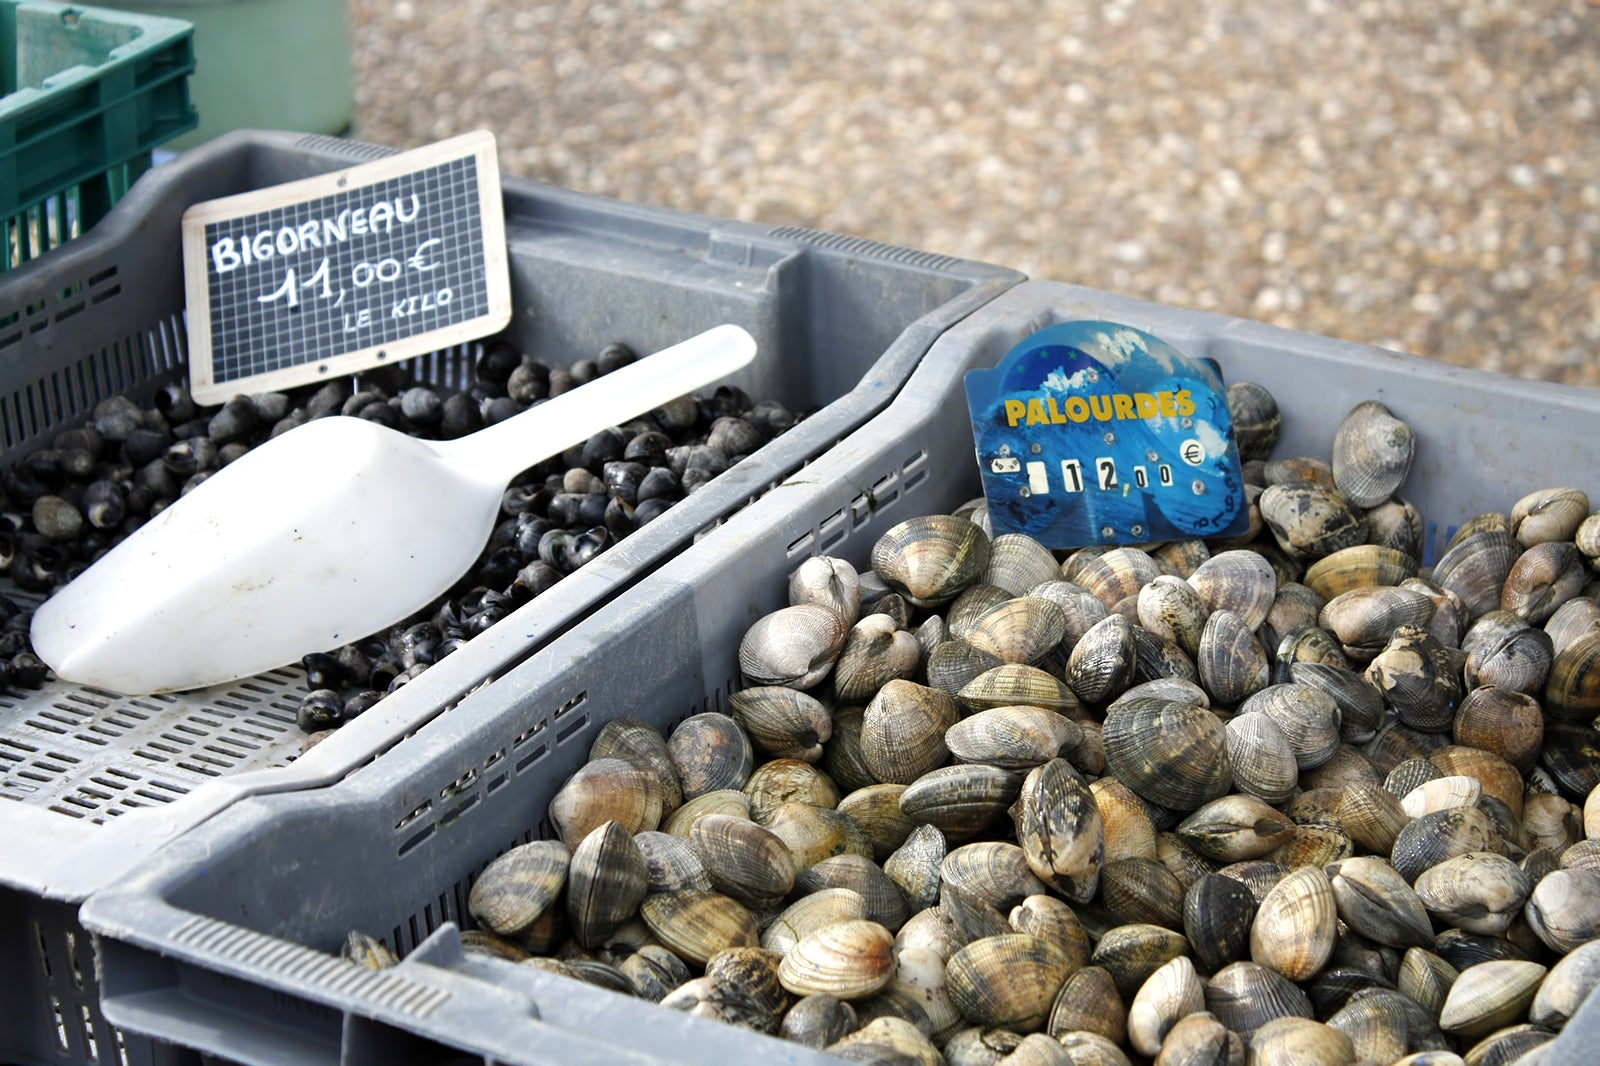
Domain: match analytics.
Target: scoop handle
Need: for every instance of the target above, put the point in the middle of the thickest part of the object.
(501, 451)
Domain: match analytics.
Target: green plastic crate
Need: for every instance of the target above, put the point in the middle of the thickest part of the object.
(88, 94)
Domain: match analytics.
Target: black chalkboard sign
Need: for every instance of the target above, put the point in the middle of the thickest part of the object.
(345, 271)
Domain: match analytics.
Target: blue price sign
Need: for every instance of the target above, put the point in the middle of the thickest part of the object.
(1099, 433)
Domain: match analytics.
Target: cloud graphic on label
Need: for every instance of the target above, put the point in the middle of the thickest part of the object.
(1058, 380)
(1215, 443)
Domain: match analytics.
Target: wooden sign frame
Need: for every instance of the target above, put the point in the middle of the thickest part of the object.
(281, 292)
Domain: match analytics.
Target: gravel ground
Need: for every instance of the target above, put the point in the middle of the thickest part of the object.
(1421, 175)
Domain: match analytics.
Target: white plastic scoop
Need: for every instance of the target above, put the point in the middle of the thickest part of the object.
(331, 532)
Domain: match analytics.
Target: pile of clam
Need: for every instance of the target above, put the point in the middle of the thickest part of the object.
(1281, 799)
(64, 506)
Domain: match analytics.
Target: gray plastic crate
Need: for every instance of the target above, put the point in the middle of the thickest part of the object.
(223, 942)
(90, 782)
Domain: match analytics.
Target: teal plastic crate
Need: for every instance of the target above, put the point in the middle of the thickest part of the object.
(88, 94)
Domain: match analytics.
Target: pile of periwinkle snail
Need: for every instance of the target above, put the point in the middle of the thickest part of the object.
(1281, 799)
(66, 505)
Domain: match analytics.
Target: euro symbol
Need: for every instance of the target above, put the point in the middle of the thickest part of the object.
(1192, 451)
(417, 262)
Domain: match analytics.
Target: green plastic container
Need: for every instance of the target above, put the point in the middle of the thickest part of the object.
(265, 64)
(88, 93)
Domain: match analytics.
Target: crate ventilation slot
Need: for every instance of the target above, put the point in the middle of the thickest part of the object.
(317, 142)
(42, 769)
(91, 1046)
(44, 951)
(914, 470)
(828, 534)
(530, 733)
(864, 506)
(459, 785)
(52, 720)
(447, 367)
(569, 724)
(78, 386)
(248, 948)
(411, 819)
(530, 755)
(61, 1023)
(13, 754)
(860, 246)
(72, 961)
(113, 793)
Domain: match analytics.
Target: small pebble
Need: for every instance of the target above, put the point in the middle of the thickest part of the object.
(57, 519)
